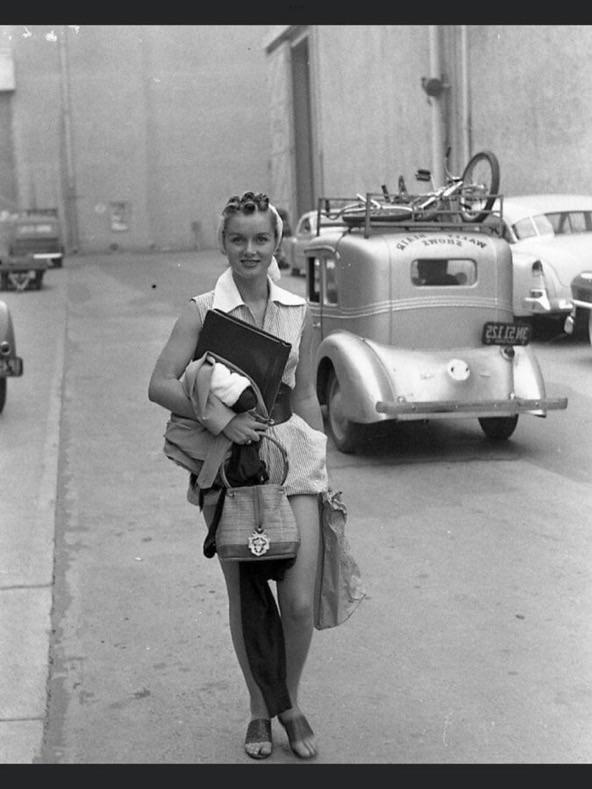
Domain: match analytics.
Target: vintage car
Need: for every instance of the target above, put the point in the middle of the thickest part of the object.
(10, 364)
(413, 321)
(292, 248)
(581, 291)
(36, 233)
(30, 243)
(551, 240)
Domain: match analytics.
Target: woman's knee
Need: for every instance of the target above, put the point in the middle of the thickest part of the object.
(297, 608)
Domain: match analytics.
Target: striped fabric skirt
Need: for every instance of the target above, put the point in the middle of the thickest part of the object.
(306, 449)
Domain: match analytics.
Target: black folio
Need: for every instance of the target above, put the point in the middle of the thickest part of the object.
(260, 354)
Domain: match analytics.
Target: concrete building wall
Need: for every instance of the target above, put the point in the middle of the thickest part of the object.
(375, 121)
(531, 99)
(167, 121)
(528, 97)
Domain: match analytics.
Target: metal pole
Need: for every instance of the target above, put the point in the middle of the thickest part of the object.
(465, 95)
(71, 207)
(436, 105)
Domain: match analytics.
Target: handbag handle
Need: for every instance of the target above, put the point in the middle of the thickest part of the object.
(282, 452)
(260, 402)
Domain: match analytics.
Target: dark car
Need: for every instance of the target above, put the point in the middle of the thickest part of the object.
(10, 364)
(30, 243)
(581, 293)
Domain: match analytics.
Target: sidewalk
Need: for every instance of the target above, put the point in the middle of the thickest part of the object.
(29, 443)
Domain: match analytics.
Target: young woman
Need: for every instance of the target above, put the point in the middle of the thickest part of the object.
(250, 232)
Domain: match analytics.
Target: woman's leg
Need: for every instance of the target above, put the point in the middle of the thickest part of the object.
(257, 703)
(296, 601)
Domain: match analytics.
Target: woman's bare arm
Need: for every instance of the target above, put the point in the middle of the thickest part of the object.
(164, 387)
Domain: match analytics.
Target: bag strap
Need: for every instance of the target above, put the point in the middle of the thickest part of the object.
(283, 453)
(209, 544)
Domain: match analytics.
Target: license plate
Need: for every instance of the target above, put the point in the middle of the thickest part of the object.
(11, 366)
(500, 333)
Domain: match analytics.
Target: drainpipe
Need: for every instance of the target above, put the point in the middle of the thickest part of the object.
(465, 106)
(71, 207)
(436, 105)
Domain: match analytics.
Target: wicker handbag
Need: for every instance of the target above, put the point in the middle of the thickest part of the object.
(257, 522)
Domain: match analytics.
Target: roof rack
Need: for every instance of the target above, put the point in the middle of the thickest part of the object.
(373, 211)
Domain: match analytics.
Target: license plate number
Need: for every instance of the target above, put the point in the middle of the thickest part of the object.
(500, 333)
(11, 366)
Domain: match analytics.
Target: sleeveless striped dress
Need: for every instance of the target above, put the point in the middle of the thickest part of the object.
(306, 447)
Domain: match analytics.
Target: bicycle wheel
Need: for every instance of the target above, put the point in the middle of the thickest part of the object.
(480, 179)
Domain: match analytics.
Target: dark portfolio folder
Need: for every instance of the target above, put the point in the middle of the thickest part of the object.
(260, 354)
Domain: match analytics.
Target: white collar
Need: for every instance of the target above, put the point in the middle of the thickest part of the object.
(227, 296)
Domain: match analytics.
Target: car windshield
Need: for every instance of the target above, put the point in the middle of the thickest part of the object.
(554, 223)
(530, 226)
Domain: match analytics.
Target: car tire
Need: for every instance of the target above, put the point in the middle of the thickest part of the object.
(2, 393)
(498, 428)
(346, 434)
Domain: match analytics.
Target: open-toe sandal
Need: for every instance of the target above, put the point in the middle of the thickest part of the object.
(258, 731)
(297, 729)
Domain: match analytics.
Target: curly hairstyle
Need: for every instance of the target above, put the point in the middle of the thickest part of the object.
(248, 203)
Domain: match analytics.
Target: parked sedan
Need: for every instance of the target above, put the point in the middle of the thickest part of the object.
(551, 240)
(292, 250)
(412, 321)
(10, 363)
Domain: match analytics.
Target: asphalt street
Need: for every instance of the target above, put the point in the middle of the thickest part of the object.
(472, 646)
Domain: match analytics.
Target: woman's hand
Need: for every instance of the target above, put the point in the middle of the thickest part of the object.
(245, 428)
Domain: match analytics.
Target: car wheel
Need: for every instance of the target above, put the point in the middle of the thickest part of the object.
(58, 262)
(345, 433)
(2, 393)
(498, 428)
(295, 272)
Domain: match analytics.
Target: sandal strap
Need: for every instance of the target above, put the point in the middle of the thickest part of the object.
(258, 730)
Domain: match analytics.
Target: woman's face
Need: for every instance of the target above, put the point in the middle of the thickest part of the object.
(249, 241)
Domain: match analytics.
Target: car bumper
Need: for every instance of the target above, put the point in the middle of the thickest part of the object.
(442, 409)
(539, 304)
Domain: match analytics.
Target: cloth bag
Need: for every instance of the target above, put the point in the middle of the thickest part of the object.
(339, 588)
(256, 522)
